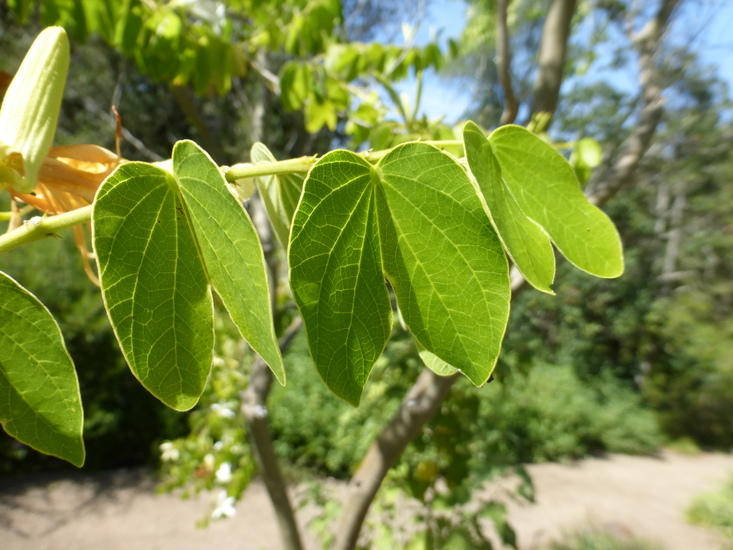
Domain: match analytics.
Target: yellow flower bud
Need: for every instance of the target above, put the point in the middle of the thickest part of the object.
(30, 109)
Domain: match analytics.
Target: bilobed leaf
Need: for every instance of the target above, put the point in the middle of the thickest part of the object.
(153, 282)
(526, 243)
(40, 403)
(336, 272)
(546, 190)
(230, 248)
(444, 260)
(280, 194)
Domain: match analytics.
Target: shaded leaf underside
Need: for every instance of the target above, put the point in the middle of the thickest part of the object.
(40, 403)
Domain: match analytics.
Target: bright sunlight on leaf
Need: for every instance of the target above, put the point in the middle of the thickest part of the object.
(153, 281)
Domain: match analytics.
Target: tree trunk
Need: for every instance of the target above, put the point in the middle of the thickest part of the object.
(254, 398)
(504, 64)
(553, 45)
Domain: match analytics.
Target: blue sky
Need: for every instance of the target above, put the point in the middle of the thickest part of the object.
(706, 25)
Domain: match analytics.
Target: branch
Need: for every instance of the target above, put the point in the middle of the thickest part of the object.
(553, 45)
(38, 227)
(417, 408)
(254, 401)
(187, 101)
(254, 409)
(504, 63)
(609, 181)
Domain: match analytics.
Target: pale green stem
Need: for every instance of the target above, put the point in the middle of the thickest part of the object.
(38, 228)
(4, 216)
(283, 167)
(304, 164)
(374, 156)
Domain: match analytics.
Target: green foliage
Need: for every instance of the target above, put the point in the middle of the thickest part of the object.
(280, 194)
(41, 405)
(714, 510)
(230, 249)
(208, 46)
(600, 539)
(158, 296)
(525, 242)
(550, 414)
(214, 455)
(455, 302)
(547, 414)
(122, 421)
(336, 272)
(386, 219)
(583, 233)
(411, 215)
(314, 431)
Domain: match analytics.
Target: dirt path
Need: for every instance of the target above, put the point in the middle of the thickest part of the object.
(121, 510)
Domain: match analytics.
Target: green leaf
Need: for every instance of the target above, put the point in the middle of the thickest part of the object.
(525, 242)
(587, 155)
(444, 261)
(40, 403)
(153, 282)
(545, 188)
(280, 194)
(319, 114)
(296, 80)
(336, 272)
(230, 248)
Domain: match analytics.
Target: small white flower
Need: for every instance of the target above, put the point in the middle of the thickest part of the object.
(168, 453)
(224, 506)
(218, 446)
(209, 462)
(224, 473)
(223, 410)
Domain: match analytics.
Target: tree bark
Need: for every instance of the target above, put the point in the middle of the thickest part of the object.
(609, 180)
(553, 46)
(254, 398)
(418, 407)
(254, 408)
(208, 140)
(504, 64)
(254, 404)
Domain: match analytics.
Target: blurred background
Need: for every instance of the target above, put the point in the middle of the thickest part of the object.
(634, 365)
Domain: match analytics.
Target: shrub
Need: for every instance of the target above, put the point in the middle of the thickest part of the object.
(715, 510)
(550, 414)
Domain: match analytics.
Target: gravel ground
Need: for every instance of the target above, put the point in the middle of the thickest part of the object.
(120, 510)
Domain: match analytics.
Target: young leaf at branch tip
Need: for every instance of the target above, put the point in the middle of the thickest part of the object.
(40, 403)
(154, 284)
(336, 272)
(524, 241)
(547, 191)
(280, 194)
(230, 248)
